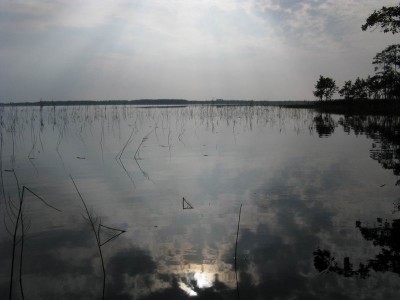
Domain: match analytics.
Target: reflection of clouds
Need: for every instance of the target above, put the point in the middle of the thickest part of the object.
(58, 251)
(300, 212)
(194, 256)
(63, 264)
(274, 251)
(53, 256)
(190, 290)
(298, 192)
(129, 270)
(274, 259)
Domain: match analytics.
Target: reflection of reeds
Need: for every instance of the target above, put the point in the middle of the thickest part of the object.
(169, 144)
(137, 154)
(121, 164)
(145, 174)
(237, 237)
(92, 221)
(119, 154)
(13, 143)
(60, 137)
(19, 219)
(101, 140)
(1, 163)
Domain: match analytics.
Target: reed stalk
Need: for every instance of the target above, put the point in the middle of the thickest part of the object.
(236, 244)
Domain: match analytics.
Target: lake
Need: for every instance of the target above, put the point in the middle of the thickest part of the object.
(198, 202)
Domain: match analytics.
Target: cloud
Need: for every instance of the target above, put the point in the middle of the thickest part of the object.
(316, 23)
(248, 49)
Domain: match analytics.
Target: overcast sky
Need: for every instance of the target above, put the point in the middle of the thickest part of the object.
(192, 49)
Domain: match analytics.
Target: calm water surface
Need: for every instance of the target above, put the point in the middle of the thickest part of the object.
(319, 196)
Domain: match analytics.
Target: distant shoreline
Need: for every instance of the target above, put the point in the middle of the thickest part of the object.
(391, 107)
(152, 102)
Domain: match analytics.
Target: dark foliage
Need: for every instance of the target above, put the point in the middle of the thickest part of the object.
(388, 18)
(325, 88)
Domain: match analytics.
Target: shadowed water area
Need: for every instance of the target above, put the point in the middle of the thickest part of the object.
(154, 194)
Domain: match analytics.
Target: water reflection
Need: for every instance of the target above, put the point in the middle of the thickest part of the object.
(384, 131)
(384, 235)
(324, 125)
(300, 193)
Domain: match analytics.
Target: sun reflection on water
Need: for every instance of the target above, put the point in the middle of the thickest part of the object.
(200, 276)
(187, 289)
(200, 280)
(204, 280)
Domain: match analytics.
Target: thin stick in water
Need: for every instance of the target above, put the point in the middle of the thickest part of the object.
(237, 237)
(96, 234)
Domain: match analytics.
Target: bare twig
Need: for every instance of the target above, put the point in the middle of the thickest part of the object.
(14, 243)
(96, 234)
(92, 221)
(188, 204)
(111, 238)
(20, 220)
(40, 198)
(21, 254)
(237, 237)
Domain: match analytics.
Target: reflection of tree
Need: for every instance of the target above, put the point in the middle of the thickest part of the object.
(324, 262)
(324, 124)
(384, 130)
(384, 235)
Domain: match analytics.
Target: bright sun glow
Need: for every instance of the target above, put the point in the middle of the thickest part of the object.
(203, 280)
(187, 289)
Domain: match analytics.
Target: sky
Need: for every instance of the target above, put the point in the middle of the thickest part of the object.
(182, 49)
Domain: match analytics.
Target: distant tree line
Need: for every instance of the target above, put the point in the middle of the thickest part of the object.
(162, 102)
(385, 83)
